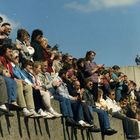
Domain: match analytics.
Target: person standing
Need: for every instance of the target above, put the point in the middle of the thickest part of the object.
(92, 70)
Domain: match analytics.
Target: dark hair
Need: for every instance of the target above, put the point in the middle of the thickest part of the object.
(110, 91)
(21, 33)
(123, 98)
(26, 63)
(5, 47)
(115, 67)
(87, 80)
(104, 72)
(79, 61)
(61, 72)
(35, 33)
(6, 23)
(88, 54)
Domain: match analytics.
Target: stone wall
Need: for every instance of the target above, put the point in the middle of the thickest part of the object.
(20, 128)
(133, 73)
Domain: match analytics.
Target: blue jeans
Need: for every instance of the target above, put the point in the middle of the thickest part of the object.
(65, 106)
(103, 118)
(70, 108)
(11, 89)
(77, 110)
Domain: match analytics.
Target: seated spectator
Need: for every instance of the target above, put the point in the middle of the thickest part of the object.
(46, 79)
(118, 78)
(35, 42)
(132, 91)
(46, 95)
(47, 54)
(26, 51)
(81, 73)
(24, 88)
(57, 63)
(101, 103)
(39, 104)
(88, 97)
(106, 83)
(67, 61)
(112, 105)
(77, 92)
(75, 106)
(7, 73)
(5, 30)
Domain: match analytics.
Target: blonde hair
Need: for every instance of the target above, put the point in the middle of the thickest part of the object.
(15, 52)
(100, 94)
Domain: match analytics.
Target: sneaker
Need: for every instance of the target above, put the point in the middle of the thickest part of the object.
(84, 124)
(27, 113)
(109, 131)
(4, 111)
(35, 114)
(3, 108)
(57, 115)
(42, 113)
(94, 129)
(49, 115)
(13, 106)
(52, 111)
(70, 122)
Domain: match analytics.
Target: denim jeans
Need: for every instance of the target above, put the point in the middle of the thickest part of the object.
(70, 108)
(103, 118)
(11, 89)
(65, 106)
(77, 110)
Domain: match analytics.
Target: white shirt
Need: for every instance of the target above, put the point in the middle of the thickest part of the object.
(112, 104)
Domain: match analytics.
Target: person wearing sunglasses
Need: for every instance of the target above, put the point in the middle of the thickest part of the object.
(89, 98)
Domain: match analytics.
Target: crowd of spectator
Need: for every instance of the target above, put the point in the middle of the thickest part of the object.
(32, 73)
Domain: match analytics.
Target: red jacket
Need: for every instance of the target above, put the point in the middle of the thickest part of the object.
(7, 65)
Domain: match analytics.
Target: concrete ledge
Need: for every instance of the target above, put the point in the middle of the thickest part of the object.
(20, 128)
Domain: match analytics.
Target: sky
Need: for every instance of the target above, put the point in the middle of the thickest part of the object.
(111, 28)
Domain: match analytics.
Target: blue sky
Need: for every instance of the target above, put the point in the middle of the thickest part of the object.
(109, 27)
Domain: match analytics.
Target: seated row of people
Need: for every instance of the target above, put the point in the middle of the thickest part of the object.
(32, 91)
(22, 87)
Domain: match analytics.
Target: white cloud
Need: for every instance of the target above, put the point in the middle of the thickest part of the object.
(93, 5)
(13, 23)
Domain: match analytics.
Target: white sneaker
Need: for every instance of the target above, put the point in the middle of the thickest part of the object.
(84, 124)
(52, 97)
(35, 114)
(49, 115)
(52, 111)
(42, 113)
(3, 108)
(27, 113)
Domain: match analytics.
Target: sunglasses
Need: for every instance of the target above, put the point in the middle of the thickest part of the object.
(16, 57)
(90, 84)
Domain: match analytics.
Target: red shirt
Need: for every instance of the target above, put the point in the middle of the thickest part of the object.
(7, 65)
